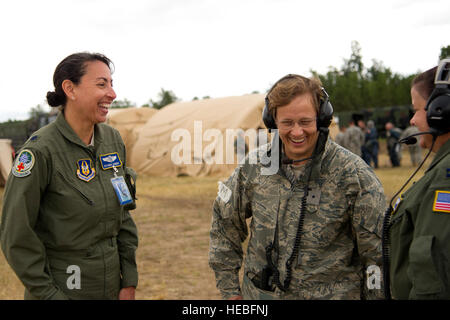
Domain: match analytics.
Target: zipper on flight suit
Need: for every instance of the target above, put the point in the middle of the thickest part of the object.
(89, 201)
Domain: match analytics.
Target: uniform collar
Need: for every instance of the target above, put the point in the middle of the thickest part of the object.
(66, 130)
(442, 152)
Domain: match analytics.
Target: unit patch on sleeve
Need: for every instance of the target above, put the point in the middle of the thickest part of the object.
(224, 192)
(442, 201)
(85, 170)
(23, 163)
(110, 160)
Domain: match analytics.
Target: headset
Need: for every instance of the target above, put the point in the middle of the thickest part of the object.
(438, 104)
(325, 115)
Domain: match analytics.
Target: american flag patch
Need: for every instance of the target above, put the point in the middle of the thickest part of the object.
(442, 201)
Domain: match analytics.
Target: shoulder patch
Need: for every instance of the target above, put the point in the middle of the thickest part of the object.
(224, 192)
(442, 201)
(23, 164)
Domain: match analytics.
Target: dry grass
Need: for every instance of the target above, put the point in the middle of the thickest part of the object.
(173, 218)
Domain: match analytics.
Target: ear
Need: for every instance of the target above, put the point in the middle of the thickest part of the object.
(68, 88)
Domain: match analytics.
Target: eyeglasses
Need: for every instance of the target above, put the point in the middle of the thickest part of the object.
(303, 123)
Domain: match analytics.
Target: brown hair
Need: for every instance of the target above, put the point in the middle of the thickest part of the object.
(424, 83)
(72, 68)
(290, 87)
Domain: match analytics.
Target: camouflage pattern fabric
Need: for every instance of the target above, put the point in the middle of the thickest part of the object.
(354, 139)
(341, 233)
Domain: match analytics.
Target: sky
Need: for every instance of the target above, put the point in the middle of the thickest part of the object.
(215, 48)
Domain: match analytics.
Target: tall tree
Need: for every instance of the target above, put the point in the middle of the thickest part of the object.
(165, 97)
(445, 53)
(355, 87)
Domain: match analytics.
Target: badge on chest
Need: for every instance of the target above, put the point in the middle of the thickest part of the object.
(112, 161)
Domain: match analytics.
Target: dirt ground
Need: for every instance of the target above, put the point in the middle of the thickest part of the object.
(173, 219)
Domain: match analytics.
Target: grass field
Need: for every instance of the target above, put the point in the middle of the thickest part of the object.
(173, 218)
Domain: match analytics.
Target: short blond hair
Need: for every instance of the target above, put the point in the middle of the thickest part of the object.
(291, 86)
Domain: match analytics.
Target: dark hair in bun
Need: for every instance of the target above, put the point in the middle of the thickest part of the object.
(72, 68)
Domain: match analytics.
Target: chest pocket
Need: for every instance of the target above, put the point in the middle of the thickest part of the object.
(70, 183)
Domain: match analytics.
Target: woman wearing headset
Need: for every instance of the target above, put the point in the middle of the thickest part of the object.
(419, 228)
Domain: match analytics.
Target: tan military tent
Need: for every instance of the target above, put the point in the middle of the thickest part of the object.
(128, 121)
(5, 160)
(189, 130)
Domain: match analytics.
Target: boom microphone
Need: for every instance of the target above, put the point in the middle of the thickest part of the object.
(411, 140)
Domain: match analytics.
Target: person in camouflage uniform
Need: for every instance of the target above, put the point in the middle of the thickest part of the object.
(354, 138)
(340, 225)
(415, 150)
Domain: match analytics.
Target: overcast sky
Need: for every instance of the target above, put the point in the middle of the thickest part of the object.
(207, 47)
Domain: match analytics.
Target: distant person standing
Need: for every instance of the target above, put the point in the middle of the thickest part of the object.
(393, 147)
(415, 150)
(371, 144)
(354, 138)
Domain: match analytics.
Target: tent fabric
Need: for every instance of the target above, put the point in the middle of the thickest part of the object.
(152, 153)
(5, 160)
(127, 121)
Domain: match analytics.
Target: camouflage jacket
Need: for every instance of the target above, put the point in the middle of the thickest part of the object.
(341, 231)
(354, 139)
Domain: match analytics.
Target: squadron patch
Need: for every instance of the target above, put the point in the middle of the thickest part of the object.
(224, 192)
(23, 164)
(110, 160)
(442, 201)
(85, 171)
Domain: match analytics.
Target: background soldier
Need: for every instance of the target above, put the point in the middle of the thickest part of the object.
(354, 138)
(415, 150)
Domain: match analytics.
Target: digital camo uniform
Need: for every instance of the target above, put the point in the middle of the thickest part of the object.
(345, 205)
(415, 150)
(354, 139)
(419, 235)
(63, 231)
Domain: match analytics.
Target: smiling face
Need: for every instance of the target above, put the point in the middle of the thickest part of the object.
(93, 96)
(300, 140)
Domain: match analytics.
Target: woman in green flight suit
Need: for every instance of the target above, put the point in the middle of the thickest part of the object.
(66, 230)
(419, 228)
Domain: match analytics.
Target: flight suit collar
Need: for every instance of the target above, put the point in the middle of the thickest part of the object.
(66, 130)
(442, 152)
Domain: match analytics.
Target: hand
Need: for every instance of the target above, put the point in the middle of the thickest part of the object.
(127, 293)
(236, 298)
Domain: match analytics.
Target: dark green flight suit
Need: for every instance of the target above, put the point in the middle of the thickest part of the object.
(419, 235)
(65, 237)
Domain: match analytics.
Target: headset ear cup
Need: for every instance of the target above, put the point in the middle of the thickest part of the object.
(325, 112)
(268, 119)
(438, 111)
